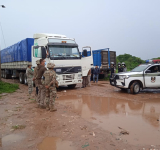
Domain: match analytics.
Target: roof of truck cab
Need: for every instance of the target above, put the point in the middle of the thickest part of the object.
(40, 35)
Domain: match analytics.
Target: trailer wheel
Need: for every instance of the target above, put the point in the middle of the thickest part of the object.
(21, 78)
(25, 79)
(72, 86)
(135, 88)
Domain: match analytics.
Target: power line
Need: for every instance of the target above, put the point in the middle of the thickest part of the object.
(3, 35)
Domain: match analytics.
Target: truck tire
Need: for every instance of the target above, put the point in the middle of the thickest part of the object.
(21, 78)
(25, 79)
(135, 88)
(2, 73)
(6, 76)
(72, 86)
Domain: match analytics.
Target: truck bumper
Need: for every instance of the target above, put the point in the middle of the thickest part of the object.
(118, 83)
(69, 82)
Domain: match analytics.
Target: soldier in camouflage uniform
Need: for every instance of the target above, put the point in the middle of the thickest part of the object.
(50, 85)
(29, 73)
(35, 81)
(41, 88)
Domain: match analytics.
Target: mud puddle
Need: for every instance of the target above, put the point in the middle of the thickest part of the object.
(139, 118)
(10, 140)
(54, 143)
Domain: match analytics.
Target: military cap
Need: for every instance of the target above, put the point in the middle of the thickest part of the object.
(50, 65)
(37, 62)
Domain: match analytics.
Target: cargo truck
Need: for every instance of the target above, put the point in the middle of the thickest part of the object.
(54, 48)
(103, 58)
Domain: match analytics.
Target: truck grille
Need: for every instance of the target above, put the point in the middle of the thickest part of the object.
(68, 77)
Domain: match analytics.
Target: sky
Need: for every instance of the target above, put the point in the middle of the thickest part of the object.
(124, 26)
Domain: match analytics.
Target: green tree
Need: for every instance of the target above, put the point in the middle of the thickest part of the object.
(130, 61)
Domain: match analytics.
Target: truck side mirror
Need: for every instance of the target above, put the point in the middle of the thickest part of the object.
(85, 53)
(43, 52)
(148, 71)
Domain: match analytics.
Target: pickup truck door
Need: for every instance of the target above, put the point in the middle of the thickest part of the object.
(152, 76)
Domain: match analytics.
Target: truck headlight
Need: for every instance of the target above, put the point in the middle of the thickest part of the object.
(123, 77)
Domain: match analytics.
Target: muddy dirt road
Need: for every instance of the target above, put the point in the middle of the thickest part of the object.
(100, 117)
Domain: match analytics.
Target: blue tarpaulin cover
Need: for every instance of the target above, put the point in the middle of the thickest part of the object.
(20, 51)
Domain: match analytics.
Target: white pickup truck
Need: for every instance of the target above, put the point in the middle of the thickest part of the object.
(141, 77)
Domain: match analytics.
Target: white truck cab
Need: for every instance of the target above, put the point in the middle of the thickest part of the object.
(70, 66)
(141, 77)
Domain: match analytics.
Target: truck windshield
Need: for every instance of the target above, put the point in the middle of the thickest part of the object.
(139, 68)
(63, 52)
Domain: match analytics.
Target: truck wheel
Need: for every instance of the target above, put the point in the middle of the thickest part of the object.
(21, 78)
(2, 73)
(72, 86)
(5, 75)
(25, 79)
(135, 88)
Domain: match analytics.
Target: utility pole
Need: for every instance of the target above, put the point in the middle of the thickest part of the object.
(0, 48)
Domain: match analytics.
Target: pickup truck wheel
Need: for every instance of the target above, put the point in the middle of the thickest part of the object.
(72, 86)
(135, 88)
(21, 78)
(25, 79)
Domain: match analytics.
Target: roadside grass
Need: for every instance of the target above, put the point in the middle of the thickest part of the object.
(18, 127)
(8, 87)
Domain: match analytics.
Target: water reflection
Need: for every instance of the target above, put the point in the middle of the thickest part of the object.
(54, 143)
(138, 117)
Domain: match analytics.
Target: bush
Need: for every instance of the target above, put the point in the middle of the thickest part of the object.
(8, 87)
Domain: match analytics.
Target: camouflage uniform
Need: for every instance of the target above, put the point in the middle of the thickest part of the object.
(35, 81)
(41, 88)
(50, 81)
(29, 74)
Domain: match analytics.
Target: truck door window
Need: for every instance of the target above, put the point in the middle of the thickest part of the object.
(37, 52)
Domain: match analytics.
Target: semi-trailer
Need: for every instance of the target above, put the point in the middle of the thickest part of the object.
(54, 48)
(103, 58)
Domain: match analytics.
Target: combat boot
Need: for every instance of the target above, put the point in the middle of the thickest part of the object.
(42, 107)
(37, 106)
(52, 108)
(29, 96)
(47, 107)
